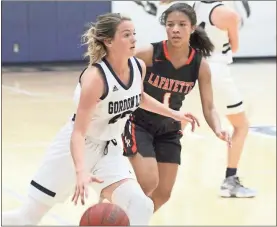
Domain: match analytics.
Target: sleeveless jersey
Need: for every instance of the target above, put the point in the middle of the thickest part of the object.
(222, 52)
(118, 102)
(167, 84)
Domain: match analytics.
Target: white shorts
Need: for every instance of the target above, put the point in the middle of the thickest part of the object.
(55, 179)
(227, 98)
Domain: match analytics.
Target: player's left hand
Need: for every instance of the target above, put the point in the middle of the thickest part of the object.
(225, 136)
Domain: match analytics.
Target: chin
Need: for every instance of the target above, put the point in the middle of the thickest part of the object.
(178, 43)
(132, 52)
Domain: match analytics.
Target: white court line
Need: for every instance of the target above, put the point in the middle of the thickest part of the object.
(18, 90)
(19, 197)
(26, 145)
(24, 92)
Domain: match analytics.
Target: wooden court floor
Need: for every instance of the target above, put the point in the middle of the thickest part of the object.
(37, 103)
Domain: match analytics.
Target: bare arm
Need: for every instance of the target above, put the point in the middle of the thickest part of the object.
(206, 94)
(227, 19)
(92, 89)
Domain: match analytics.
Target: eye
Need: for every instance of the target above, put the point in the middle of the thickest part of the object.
(126, 35)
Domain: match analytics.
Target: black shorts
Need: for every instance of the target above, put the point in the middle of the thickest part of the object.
(158, 140)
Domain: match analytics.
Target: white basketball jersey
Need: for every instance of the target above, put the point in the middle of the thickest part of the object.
(222, 52)
(112, 112)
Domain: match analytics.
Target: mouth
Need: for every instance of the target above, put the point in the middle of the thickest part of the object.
(176, 38)
(133, 47)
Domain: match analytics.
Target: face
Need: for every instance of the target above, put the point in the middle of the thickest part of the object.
(124, 41)
(178, 28)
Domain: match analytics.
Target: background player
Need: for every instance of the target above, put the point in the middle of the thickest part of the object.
(152, 141)
(109, 90)
(222, 26)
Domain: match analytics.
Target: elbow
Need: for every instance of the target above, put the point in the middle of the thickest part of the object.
(208, 110)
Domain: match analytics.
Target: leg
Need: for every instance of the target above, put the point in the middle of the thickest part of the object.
(121, 188)
(232, 105)
(231, 186)
(53, 182)
(240, 124)
(167, 174)
(168, 149)
(138, 147)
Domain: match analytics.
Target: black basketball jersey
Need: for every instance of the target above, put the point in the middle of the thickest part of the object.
(166, 83)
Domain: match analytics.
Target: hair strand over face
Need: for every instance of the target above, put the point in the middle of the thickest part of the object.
(96, 35)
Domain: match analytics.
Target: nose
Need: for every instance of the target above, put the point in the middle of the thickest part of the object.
(133, 40)
(175, 28)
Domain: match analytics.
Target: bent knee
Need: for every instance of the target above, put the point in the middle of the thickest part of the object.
(163, 195)
(239, 121)
(149, 183)
(130, 197)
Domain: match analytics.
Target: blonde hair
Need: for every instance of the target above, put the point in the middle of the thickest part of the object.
(104, 29)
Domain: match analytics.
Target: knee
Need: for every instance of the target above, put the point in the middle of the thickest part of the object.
(149, 183)
(141, 201)
(240, 123)
(163, 195)
(243, 126)
(131, 198)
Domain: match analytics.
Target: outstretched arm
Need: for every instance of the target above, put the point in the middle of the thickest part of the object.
(206, 94)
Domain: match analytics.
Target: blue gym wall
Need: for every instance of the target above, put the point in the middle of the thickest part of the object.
(46, 31)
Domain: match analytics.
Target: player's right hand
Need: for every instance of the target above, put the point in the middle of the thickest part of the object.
(83, 179)
(192, 120)
(186, 118)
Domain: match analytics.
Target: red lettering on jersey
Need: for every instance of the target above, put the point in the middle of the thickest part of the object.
(162, 81)
(166, 85)
(156, 82)
(182, 84)
(170, 84)
(150, 81)
(175, 88)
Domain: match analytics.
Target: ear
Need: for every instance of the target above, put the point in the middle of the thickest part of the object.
(193, 29)
(108, 42)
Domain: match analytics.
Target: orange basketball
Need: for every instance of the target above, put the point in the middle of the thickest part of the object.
(104, 214)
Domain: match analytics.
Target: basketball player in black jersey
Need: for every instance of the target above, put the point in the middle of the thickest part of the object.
(151, 141)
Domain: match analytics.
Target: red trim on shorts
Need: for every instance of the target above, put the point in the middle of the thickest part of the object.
(134, 146)
(190, 58)
(124, 147)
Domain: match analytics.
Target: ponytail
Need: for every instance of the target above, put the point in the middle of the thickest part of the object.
(200, 41)
(96, 48)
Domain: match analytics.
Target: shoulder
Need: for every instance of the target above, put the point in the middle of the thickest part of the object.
(93, 78)
(224, 15)
(204, 68)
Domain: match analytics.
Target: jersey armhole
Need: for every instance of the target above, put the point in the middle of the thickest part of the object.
(139, 66)
(210, 15)
(106, 87)
(82, 74)
(198, 64)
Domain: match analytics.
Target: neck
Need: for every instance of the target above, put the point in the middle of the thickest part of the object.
(119, 64)
(177, 52)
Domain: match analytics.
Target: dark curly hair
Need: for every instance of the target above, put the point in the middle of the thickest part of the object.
(199, 39)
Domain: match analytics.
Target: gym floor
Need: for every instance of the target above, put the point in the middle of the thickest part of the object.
(37, 101)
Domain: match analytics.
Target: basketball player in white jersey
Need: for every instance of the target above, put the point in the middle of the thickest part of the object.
(109, 90)
(222, 26)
